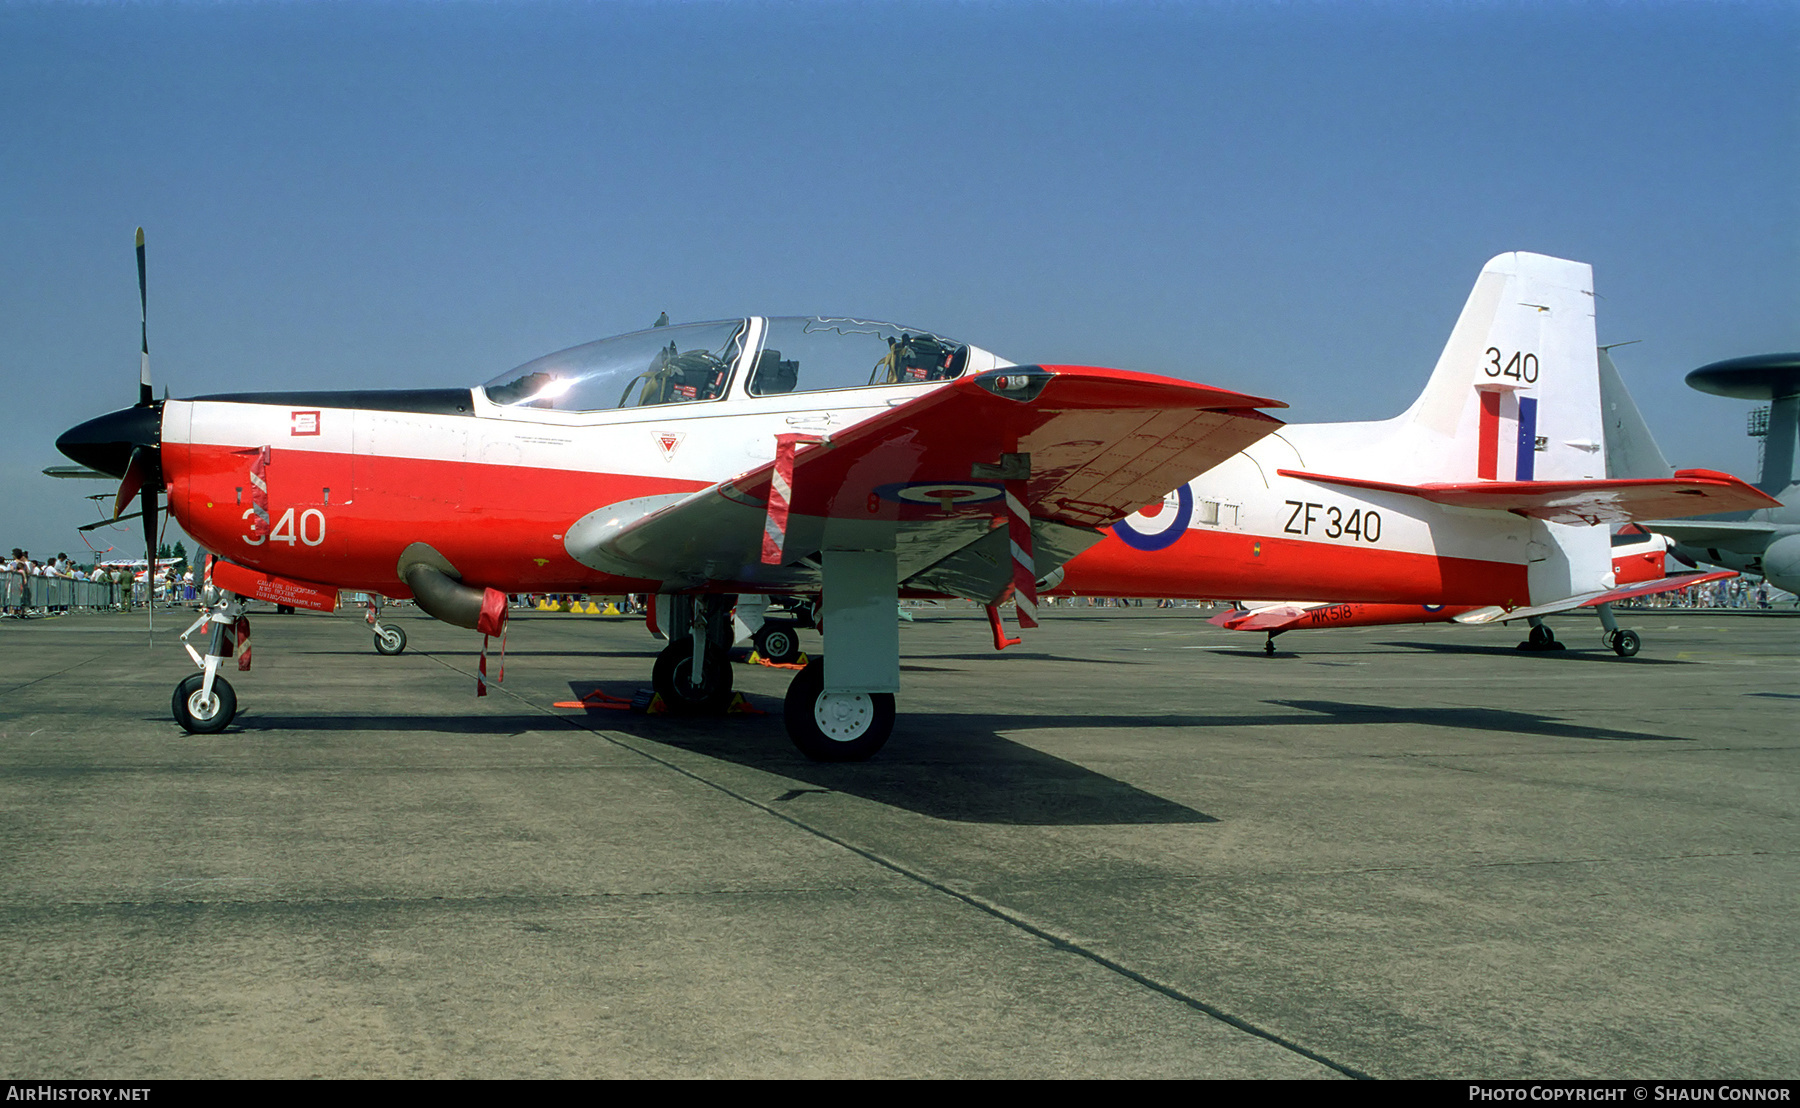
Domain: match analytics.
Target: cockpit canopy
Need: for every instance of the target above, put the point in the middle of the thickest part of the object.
(697, 361)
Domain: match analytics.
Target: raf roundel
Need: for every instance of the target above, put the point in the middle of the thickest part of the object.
(948, 495)
(1157, 526)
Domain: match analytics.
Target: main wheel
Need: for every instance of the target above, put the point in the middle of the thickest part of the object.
(203, 716)
(1541, 637)
(390, 640)
(1626, 643)
(835, 727)
(672, 679)
(778, 642)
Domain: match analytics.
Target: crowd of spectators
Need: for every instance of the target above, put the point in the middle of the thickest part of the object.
(27, 585)
(1737, 592)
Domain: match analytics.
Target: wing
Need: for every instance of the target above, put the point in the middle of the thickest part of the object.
(1690, 492)
(1495, 614)
(928, 479)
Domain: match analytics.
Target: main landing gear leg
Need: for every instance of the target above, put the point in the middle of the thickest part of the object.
(1269, 646)
(204, 703)
(1620, 642)
(1541, 637)
(840, 708)
(693, 673)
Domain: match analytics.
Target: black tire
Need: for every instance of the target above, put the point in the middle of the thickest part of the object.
(284, 609)
(778, 642)
(196, 717)
(1626, 643)
(390, 640)
(850, 729)
(670, 679)
(1541, 637)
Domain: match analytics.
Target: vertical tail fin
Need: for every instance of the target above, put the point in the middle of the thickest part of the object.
(1516, 393)
(1631, 451)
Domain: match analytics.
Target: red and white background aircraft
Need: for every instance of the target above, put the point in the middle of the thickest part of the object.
(717, 464)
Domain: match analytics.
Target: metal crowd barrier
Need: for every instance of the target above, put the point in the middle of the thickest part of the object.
(60, 593)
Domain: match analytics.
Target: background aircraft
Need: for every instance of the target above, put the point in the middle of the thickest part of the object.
(1638, 559)
(1765, 541)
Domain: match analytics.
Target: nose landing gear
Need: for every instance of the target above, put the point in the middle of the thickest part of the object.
(205, 703)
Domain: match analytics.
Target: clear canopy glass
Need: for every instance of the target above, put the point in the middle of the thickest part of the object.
(663, 365)
(813, 353)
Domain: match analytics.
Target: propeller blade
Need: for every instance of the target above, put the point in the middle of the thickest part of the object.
(147, 509)
(137, 474)
(146, 395)
(108, 522)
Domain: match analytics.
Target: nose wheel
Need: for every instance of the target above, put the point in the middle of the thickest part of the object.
(835, 727)
(201, 713)
(1540, 638)
(389, 640)
(778, 642)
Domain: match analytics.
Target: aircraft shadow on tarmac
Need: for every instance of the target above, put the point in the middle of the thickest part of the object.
(946, 766)
(507, 726)
(367, 653)
(1576, 654)
(1468, 719)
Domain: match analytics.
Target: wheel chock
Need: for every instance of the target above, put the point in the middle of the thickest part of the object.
(656, 707)
(597, 699)
(740, 706)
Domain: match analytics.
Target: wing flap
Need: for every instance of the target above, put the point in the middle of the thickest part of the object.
(1689, 492)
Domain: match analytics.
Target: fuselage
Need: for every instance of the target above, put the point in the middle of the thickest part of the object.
(355, 478)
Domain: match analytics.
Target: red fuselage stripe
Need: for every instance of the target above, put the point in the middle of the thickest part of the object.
(1210, 565)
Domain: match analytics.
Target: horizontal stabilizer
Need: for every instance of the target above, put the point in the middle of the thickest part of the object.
(1690, 492)
(1496, 614)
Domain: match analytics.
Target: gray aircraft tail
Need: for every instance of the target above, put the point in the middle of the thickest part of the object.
(1631, 450)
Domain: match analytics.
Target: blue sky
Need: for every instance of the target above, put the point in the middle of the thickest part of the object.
(1291, 199)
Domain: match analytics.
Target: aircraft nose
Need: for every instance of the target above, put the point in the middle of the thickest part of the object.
(106, 443)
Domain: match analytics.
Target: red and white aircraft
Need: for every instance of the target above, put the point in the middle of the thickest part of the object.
(1638, 570)
(712, 464)
(1488, 499)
